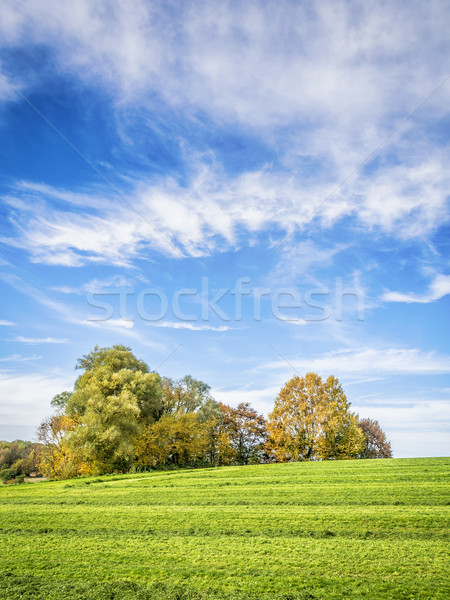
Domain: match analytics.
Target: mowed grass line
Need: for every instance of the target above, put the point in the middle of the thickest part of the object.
(347, 529)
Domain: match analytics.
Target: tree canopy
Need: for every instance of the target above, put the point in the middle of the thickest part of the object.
(114, 398)
(311, 420)
(121, 416)
(375, 442)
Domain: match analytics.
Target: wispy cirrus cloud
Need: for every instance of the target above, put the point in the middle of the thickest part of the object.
(111, 323)
(190, 326)
(75, 316)
(357, 361)
(193, 57)
(46, 340)
(15, 358)
(217, 212)
(320, 91)
(439, 287)
(95, 285)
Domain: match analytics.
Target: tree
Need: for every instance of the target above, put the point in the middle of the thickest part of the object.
(107, 430)
(178, 439)
(112, 372)
(114, 398)
(58, 459)
(184, 395)
(114, 359)
(245, 432)
(211, 417)
(20, 455)
(375, 443)
(61, 400)
(311, 420)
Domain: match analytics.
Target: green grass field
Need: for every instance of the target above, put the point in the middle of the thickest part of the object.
(349, 529)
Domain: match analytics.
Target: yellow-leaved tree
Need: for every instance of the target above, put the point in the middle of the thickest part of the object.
(311, 420)
(58, 459)
(179, 439)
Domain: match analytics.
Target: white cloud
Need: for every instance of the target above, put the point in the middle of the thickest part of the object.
(409, 200)
(185, 325)
(6, 323)
(345, 61)
(300, 260)
(260, 399)
(439, 287)
(26, 398)
(69, 315)
(367, 361)
(96, 285)
(19, 358)
(322, 85)
(419, 427)
(215, 212)
(111, 323)
(47, 340)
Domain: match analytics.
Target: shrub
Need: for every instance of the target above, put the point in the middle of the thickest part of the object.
(7, 474)
(23, 466)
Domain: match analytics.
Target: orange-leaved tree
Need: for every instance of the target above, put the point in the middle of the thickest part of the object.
(245, 432)
(376, 444)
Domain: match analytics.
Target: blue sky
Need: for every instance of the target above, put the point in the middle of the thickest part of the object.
(241, 191)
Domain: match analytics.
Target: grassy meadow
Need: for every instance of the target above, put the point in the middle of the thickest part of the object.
(346, 529)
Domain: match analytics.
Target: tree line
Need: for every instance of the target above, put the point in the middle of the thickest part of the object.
(122, 416)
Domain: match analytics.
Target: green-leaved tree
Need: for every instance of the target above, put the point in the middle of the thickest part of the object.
(114, 398)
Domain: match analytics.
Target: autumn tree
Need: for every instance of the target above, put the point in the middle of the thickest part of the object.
(183, 395)
(244, 431)
(211, 417)
(60, 401)
(57, 458)
(311, 420)
(178, 439)
(113, 400)
(375, 442)
(112, 372)
(19, 457)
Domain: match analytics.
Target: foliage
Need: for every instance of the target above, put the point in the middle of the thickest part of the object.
(210, 415)
(107, 429)
(375, 442)
(22, 456)
(114, 359)
(244, 431)
(58, 458)
(184, 395)
(7, 474)
(325, 530)
(113, 400)
(122, 416)
(61, 400)
(110, 372)
(178, 439)
(311, 420)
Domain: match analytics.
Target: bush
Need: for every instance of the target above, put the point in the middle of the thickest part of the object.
(7, 474)
(23, 466)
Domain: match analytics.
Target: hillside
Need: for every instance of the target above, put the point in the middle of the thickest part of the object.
(347, 529)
